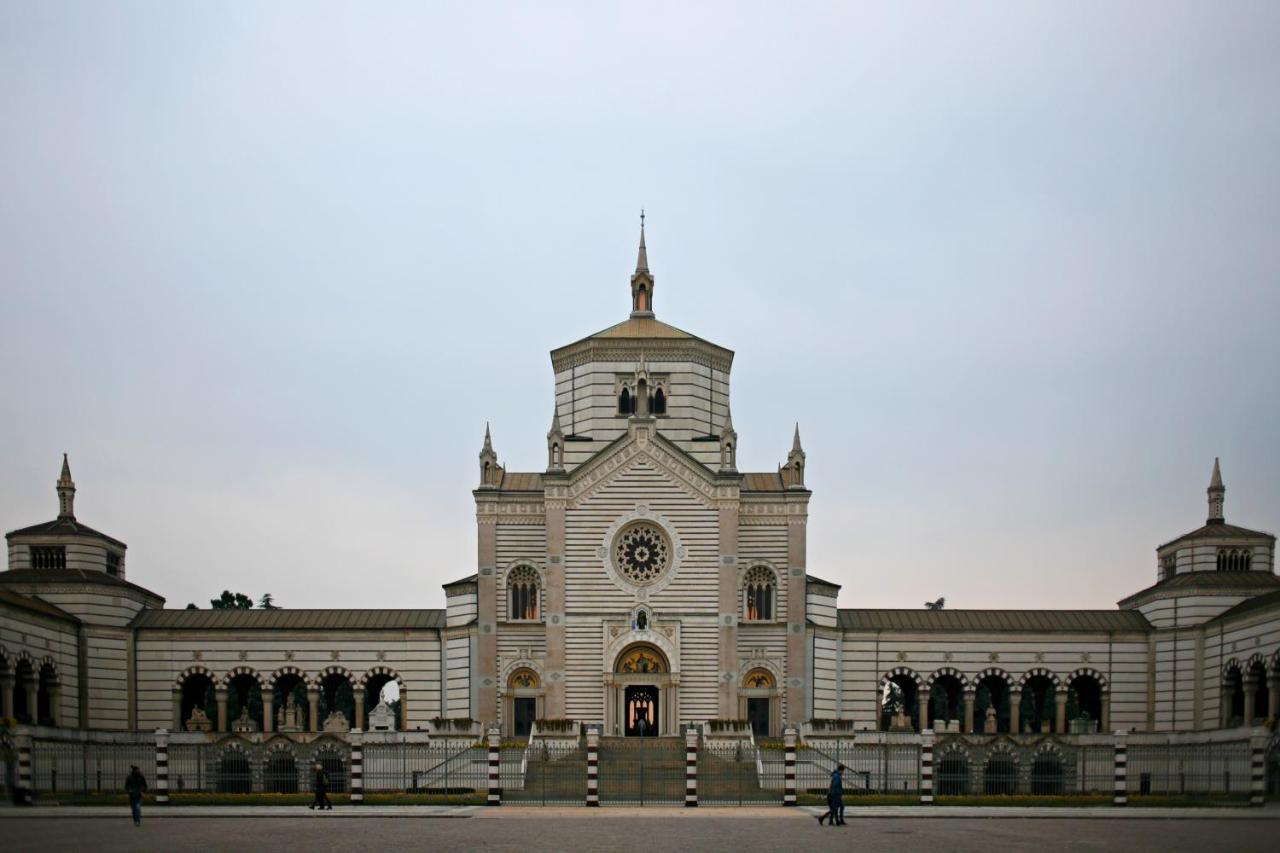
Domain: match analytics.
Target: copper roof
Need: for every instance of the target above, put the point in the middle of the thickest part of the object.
(1219, 530)
(1232, 582)
(642, 327)
(1090, 621)
(63, 527)
(763, 482)
(519, 481)
(1261, 602)
(41, 576)
(35, 605)
(284, 619)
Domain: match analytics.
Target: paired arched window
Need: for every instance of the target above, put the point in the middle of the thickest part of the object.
(659, 406)
(760, 593)
(1234, 560)
(626, 402)
(522, 593)
(1168, 566)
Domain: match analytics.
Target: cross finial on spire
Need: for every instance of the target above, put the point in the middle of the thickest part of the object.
(66, 491)
(1217, 493)
(642, 280)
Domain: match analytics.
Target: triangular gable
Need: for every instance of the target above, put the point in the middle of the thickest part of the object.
(618, 455)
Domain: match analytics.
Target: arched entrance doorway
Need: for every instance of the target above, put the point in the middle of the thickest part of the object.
(642, 700)
(760, 702)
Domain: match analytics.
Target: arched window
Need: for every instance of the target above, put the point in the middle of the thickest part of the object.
(234, 776)
(1046, 774)
(1234, 560)
(1000, 775)
(522, 593)
(625, 404)
(281, 773)
(659, 402)
(759, 595)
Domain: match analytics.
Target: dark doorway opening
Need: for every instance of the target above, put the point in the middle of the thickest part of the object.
(526, 710)
(758, 715)
(642, 711)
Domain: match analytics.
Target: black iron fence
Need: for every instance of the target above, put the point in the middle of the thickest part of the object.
(426, 768)
(642, 771)
(544, 773)
(885, 767)
(71, 769)
(739, 774)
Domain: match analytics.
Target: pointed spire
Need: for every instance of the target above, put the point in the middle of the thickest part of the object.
(793, 471)
(555, 422)
(727, 429)
(66, 491)
(728, 445)
(490, 470)
(555, 443)
(795, 442)
(1217, 494)
(488, 441)
(642, 259)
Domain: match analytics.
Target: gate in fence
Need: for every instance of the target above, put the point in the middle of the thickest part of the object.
(426, 768)
(740, 774)
(544, 773)
(642, 771)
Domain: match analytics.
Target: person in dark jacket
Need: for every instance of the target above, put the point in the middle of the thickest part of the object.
(835, 798)
(136, 784)
(321, 798)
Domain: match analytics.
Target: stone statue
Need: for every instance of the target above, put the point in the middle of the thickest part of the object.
(289, 718)
(199, 721)
(336, 722)
(382, 718)
(244, 723)
(990, 726)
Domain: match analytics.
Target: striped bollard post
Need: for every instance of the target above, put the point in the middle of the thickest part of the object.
(926, 767)
(162, 767)
(26, 793)
(495, 769)
(690, 767)
(1122, 772)
(593, 766)
(357, 767)
(1258, 777)
(789, 793)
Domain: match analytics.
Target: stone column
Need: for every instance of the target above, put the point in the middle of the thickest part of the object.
(1060, 706)
(1273, 694)
(1257, 770)
(313, 707)
(6, 695)
(357, 766)
(359, 697)
(1015, 710)
(1121, 797)
(690, 767)
(486, 649)
(926, 767)
(968, 711)
(33, 684)
(730, 608)
(26, 790)
(555, 501)
(177, 710)
(268, 713)
(220, 696)
(1105, 724)
(593, 766)
(1250, 698)
(162, 767)
(789, 742)
(922, 709)
(495, 769)
(798, 676)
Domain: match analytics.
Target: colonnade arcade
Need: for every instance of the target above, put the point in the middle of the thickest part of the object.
(287, 700)
(30, 689)
(993, 701)
(1250, 690)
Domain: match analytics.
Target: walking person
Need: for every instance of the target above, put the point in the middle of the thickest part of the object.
(835, 799)
(136, 784)
(321, 786)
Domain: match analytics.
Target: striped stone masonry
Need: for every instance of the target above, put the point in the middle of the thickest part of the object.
(789, 794)
(1257, 774)
(495, 769)
(26, 791)
(593, 766)
(1122, 772)
(357, 767)
(926, 767)
(162, 767)
(690, 767)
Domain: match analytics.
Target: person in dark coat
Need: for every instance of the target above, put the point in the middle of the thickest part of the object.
(321, 798)
(136, 784)
(835, 798)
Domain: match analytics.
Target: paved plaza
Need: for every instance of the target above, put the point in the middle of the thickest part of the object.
(710, 830)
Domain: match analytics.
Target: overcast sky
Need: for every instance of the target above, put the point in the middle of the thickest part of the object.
(267, 269)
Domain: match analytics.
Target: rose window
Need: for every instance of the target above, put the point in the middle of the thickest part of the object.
(642, 553)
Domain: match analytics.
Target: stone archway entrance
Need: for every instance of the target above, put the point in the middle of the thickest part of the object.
(641, 694)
